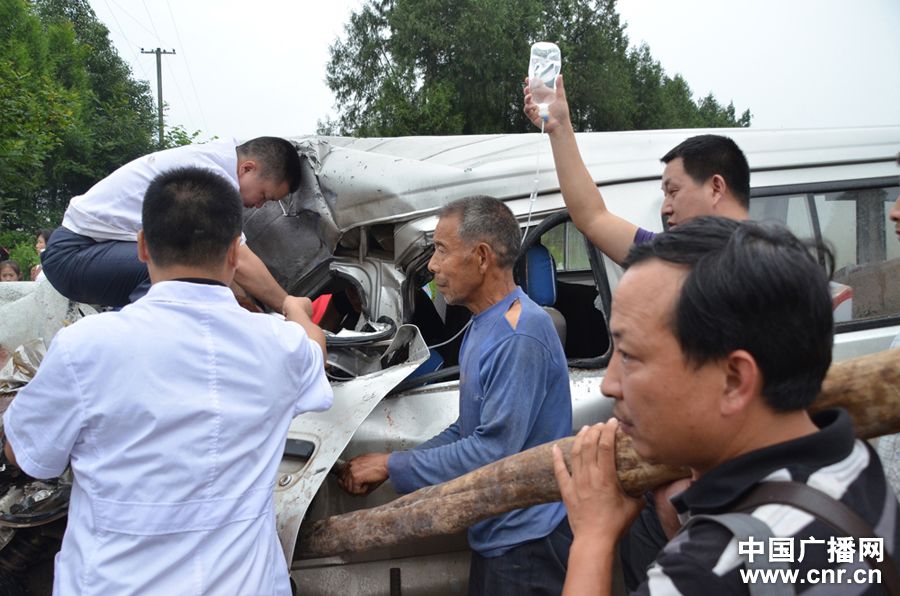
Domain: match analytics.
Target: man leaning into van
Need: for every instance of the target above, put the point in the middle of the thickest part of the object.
(513, 395)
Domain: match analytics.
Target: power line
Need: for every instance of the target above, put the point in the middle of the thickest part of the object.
(127, 43)
(174, 77)
(184, 102)
(159, 54)
(149, 16)
(187, 64)
(140, 24)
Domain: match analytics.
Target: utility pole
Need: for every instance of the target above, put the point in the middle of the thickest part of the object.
(159, 53)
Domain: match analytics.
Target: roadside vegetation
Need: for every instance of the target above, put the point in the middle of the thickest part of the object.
(432, 67)
(72, 112)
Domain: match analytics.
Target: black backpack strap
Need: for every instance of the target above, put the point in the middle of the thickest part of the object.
(831, 511)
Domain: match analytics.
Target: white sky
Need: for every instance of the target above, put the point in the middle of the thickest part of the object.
(246, 69)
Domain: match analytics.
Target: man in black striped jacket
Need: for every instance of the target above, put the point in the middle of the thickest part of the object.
(723, 334)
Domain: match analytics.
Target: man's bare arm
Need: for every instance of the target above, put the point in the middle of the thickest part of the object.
(254, 277)
(299, 310)
(607, 231)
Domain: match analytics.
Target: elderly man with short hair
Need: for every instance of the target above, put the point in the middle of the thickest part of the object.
(513, 395)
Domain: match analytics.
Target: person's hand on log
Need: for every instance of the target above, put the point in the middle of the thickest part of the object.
(364, 473)
(599, 510)
(592, 494)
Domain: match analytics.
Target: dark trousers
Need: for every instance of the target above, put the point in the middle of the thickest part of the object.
(107, 273)
(534, 568)
(641, 545)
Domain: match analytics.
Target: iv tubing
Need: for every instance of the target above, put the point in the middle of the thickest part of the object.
(534, 190)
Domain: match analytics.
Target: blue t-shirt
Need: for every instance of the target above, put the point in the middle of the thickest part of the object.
(641, 236)
(513, 395)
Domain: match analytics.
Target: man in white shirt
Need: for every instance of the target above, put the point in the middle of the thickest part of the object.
(173, 414)
(93, 258)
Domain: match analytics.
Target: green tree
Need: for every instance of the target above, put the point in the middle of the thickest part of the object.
(39, 109)
(117, 115)
(177, 135)
(72, 112)
(21, 249)
(409, 67)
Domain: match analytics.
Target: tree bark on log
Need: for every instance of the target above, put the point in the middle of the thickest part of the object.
(867, 387)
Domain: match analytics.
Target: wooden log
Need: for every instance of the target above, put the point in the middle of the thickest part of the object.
(518, 481)
(867, 387)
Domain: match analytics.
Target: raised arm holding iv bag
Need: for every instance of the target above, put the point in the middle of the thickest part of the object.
(543, 69)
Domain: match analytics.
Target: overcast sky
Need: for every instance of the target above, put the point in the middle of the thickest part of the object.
(246, 69)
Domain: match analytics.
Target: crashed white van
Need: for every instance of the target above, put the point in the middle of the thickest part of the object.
(361, 224)
(359, 228)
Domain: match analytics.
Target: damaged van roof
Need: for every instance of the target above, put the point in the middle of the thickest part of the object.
(376, 180)
(349, 183)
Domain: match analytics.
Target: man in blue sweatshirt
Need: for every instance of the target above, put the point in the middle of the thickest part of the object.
(513, 395)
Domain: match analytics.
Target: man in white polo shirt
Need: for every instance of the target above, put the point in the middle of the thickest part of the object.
(92, 258)
(173, 413)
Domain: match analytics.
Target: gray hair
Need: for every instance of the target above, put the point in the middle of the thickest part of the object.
(486, 219)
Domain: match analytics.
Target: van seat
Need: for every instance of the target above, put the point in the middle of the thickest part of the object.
(540, 285)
